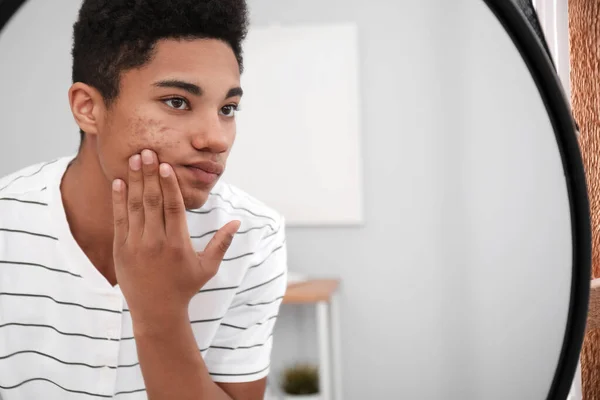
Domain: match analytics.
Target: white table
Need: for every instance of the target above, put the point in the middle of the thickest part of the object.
(322, 293)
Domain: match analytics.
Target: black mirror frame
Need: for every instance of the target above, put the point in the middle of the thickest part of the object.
(535, 55)
(541, 67)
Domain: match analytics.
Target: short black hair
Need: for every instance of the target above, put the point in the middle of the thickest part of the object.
(112, 36)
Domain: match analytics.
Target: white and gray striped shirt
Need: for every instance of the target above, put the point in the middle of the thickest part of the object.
(66, 333)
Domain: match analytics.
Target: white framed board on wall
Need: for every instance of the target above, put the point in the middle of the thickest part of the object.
(298, 130)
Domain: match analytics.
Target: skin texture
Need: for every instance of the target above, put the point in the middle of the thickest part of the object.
(140, 220)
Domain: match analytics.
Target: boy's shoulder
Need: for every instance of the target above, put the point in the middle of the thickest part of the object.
(25, 215)
(32, 179)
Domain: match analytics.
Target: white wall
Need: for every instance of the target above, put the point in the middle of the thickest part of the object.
(35, 76)
(431, 299)
(554, 20)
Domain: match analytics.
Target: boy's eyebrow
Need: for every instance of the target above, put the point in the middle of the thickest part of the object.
(193, 88)
(179, 84)
(233, 92)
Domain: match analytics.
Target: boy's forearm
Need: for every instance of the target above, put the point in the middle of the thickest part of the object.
(171, 363)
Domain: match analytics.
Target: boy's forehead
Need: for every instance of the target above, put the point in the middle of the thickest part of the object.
(193, 55)
(204, 62)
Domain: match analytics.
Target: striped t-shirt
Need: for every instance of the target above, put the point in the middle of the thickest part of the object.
(66, 333)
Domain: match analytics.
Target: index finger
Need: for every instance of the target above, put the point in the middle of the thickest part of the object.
(173, 205)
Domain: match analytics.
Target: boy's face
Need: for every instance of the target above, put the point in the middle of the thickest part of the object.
(181, 105)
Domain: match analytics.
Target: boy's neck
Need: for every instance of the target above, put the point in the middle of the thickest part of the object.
(86, 195)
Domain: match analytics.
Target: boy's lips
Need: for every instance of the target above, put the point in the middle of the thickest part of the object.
(206, 172)
(209, 167)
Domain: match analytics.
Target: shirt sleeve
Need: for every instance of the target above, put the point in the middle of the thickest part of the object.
(241, 349)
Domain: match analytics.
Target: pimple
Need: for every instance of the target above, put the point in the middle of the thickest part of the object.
(146, 131)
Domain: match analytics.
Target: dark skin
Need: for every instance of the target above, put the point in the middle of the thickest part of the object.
(128, 216)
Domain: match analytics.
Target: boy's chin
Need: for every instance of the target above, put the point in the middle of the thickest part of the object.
(194, 199)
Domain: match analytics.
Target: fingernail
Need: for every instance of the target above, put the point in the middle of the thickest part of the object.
(117, 185)
(147, 157)
(135, 162)
(165, 170)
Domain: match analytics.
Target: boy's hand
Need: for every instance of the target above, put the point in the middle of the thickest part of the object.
(157, 268)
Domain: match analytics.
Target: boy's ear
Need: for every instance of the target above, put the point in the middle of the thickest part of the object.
(87, 106)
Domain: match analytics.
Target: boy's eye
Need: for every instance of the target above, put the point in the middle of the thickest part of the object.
(177, 103)
(229, 110)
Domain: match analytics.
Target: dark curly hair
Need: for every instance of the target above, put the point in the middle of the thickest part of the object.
(112, 36)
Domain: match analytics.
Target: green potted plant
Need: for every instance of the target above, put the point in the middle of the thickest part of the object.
(301, 382)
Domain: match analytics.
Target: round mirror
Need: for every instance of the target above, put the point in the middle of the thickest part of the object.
(426, 163)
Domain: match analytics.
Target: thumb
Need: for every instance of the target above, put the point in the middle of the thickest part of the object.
(219, 244)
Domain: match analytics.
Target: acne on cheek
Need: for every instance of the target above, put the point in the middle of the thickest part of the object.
(153, 134)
